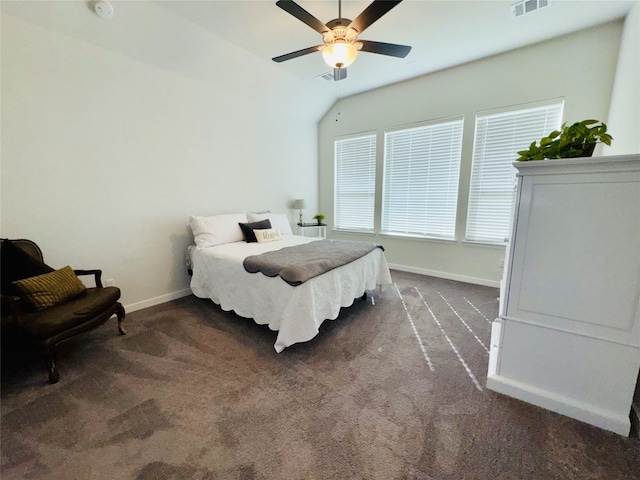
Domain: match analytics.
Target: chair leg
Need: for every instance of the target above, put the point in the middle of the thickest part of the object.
(120, 314)
(52, 367)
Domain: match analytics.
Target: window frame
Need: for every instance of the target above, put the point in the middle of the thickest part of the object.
(436, 229)
(502, 215)
(371, 173)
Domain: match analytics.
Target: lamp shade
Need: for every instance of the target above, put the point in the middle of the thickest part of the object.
(298, 203)
(339, 54)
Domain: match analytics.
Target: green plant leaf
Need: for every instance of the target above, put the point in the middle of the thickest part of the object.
(568, 142)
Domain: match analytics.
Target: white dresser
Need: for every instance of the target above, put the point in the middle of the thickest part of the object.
(568, 333)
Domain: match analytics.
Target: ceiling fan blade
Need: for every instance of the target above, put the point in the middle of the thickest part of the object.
(301, 14)
(339, 74)
(372, 13)
(382, 48)
(296, 54)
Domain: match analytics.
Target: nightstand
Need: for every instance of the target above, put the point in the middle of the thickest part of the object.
(322, 228)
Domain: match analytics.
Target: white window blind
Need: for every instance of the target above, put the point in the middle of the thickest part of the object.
(498, 138)
(420, 187)
(355, 182)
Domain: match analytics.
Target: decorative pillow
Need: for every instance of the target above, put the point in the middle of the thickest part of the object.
(44, 291)
(278, 220)
(268, 235)
(217, 229)
(16, 265)
(248, 229)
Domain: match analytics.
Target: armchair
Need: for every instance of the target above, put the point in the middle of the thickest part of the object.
(52, 313)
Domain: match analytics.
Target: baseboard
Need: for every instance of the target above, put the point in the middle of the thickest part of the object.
(448, 276)
(151, 302)
(606, 420)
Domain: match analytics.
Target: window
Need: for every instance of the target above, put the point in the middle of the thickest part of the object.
(355, 182)
(420, 187)
(499, 135)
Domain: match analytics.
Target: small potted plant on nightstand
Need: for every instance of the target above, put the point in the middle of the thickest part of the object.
(319, 217)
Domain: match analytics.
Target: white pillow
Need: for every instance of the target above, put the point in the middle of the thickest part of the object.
(278, 220)
(267, 235)
(217, 229)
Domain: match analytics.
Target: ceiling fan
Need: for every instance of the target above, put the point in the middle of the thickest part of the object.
(340, 36)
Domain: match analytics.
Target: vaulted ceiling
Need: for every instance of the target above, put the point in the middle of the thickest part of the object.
(230, 43)
(443, 33)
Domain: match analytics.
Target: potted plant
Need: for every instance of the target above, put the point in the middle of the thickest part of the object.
(577, 140)
(319, 217)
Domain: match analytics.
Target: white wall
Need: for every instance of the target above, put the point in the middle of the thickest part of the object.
(624, 115)
(104, 156)
(579, 67)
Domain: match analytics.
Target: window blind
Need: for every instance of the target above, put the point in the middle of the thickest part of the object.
(498, 138)
(420, 186)
(355, 182)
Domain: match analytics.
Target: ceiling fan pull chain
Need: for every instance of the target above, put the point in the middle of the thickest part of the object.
(336, 106)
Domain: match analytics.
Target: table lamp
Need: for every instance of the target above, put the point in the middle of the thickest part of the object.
(299, 205)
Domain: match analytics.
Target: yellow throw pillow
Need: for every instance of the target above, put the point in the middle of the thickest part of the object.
(44, 291)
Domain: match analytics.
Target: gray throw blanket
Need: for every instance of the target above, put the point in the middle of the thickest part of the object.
(299, 263)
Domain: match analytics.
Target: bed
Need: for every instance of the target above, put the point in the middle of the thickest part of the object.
(295, 312)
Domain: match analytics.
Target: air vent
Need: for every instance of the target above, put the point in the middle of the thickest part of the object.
(326, 76)
(522, 7)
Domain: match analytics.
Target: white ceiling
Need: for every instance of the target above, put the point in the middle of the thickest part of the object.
(443, 33)
(234, 40)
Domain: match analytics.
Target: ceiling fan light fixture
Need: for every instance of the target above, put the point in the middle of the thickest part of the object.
(340, 35)
(351, 34)
(339, 54)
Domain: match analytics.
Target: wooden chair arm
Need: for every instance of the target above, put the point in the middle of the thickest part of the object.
(96, 273)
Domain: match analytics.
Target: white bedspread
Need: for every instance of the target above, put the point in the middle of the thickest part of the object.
(295, 312)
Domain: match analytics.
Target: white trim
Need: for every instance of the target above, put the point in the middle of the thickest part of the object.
(521, 106)
(419, 238)
(619, 424)
(356, 232)
(424, 123)
(477, 243)
(349, 136)
(628, 339)
(152, 302)
(567, 166)
(446, 275)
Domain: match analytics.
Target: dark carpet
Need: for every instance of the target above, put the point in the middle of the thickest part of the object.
(393, 389)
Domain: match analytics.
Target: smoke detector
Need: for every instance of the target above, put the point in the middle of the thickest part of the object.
(104, 9)
(522, 7)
